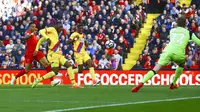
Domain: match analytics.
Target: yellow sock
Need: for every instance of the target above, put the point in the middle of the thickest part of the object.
(47, 76)
(92, 72)
(71, 75)
(75, 70)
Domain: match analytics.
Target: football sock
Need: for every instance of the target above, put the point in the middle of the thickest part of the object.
(75, 70)
(22, 72)
(48, 69)
(91, 69)
(47, 76)
(149, 75)
(178, 72)
(71, 75)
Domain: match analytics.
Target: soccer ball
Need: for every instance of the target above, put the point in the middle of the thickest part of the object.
(110, 44)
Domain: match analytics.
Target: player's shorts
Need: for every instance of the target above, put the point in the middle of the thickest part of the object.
(166, 57)
(29, 57)
(56, 59)
(81, 58)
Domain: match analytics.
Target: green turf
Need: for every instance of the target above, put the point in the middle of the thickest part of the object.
(43, 98)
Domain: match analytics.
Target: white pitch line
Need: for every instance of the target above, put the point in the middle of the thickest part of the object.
(122, 104)
(59, 101)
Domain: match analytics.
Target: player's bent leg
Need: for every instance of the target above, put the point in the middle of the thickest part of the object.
(75, 70)
(54, 83)
(178, 72)
(21, 73)
(46, 76)
(43, 60)
(149, 75)
(47, 66)
(71, 75)
(45, 63)
(95, 81)
(165, 58)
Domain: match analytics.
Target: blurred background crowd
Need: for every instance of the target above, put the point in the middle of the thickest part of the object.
(118, 20)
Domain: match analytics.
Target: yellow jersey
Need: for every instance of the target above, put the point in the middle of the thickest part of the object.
(53, 36)
(79, 44)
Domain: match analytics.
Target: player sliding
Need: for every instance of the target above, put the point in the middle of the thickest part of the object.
(31, 42)
(80, 55)
(54, 54)
(174, 51)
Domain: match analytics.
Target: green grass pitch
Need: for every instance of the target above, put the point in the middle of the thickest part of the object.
(20, 98)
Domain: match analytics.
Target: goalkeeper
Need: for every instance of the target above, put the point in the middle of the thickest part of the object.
(174, 51)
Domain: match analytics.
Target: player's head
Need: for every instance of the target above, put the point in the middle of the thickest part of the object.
(32, 27)
(181, 22)
(58, 26)
(79, 28)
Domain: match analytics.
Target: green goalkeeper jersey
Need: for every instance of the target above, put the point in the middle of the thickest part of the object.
(179, 38)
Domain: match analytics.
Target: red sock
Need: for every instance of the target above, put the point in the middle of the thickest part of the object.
(22, 72)
(48, 69)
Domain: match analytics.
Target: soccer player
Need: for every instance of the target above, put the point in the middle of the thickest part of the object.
(54, 56)
(31, 42)
(80, 55)
(174, 51)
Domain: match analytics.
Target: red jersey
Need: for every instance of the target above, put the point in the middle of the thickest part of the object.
(31, 42)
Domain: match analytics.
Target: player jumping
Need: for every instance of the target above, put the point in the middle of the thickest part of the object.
(80, 55)
(174, 51)
(54, 54)
(31, 42)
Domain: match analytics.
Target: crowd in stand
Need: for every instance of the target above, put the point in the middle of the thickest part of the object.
(159, 37)
(118, 20)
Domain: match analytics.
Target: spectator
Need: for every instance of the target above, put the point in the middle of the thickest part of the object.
(18, 57)
(12, 66)
(138, 65)
(168, 25)
(6, 41)
(117, 57)
(114, 64)
(6, 62)
(194, 65)
(91, 50)
(22, 62)
(69, 58)
(103, 61)
(9, 46)
(164, 35)
(148, 65)
(95, 61)
(14, 51)
(19, 45)
(154, 56)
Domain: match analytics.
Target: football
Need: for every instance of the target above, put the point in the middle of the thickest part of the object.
(110, 44)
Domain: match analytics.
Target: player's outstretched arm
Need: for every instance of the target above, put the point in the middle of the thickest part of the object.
(44, 38)
(43, 32)
(195, 39)
(41, 40)
(72, 38)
